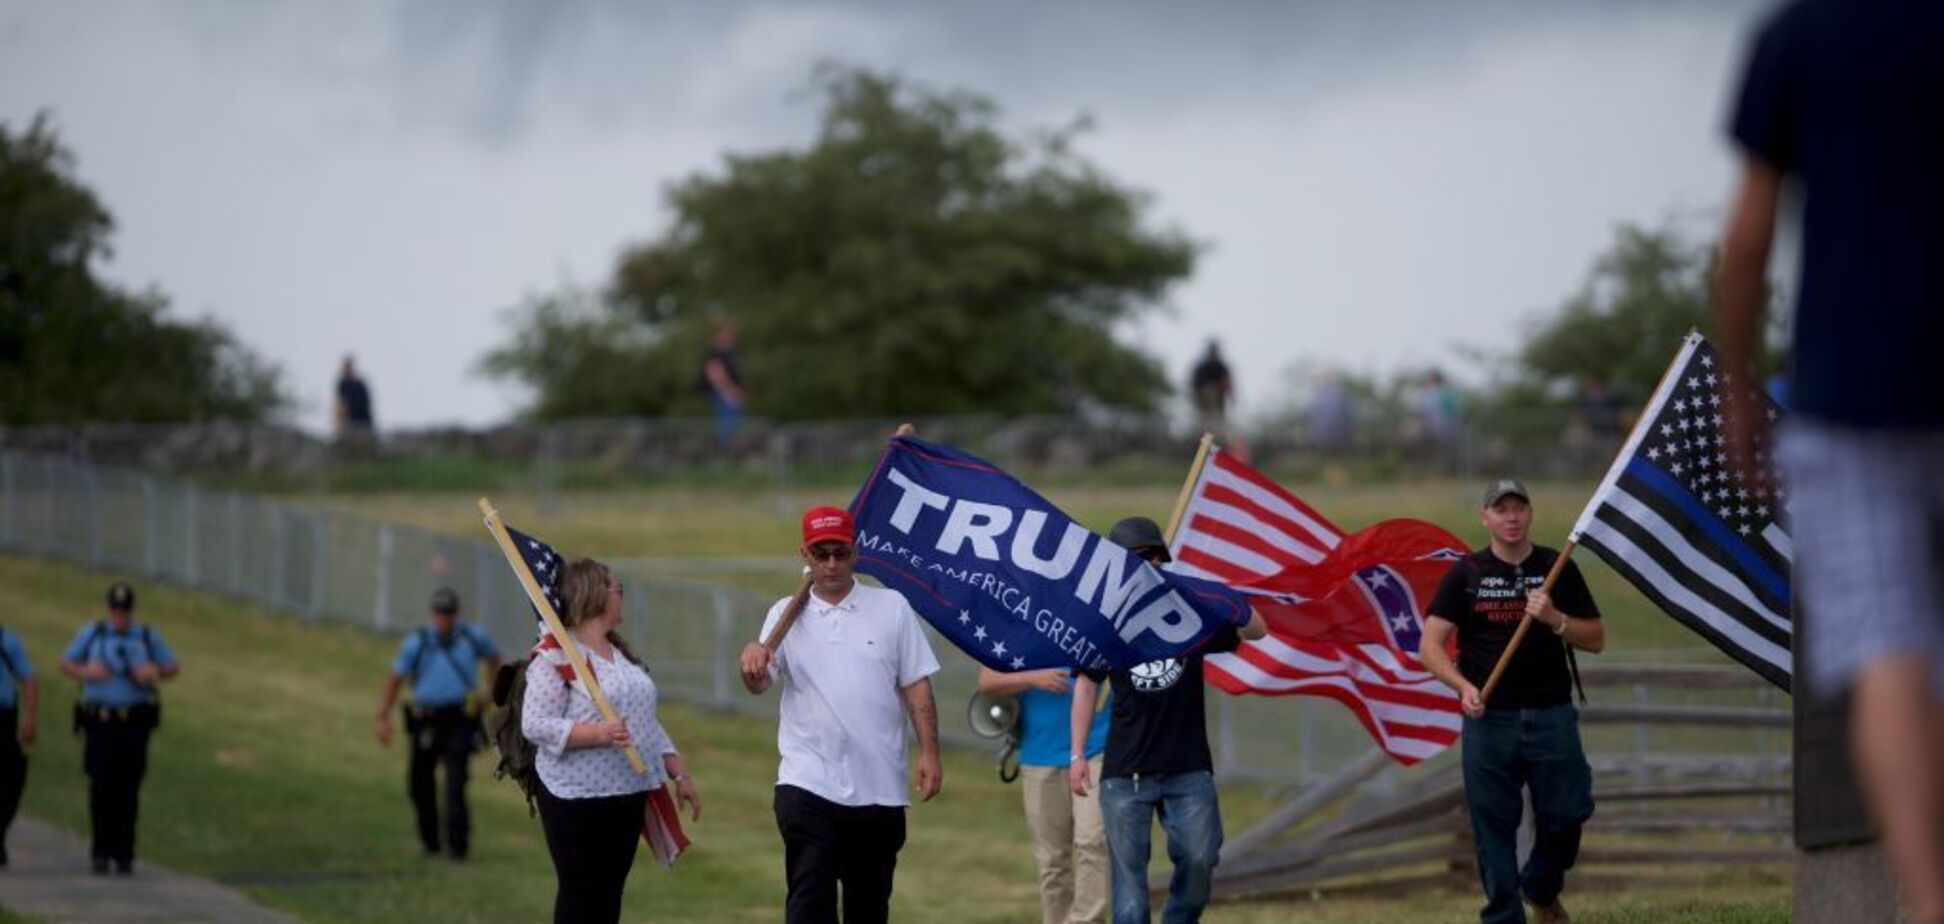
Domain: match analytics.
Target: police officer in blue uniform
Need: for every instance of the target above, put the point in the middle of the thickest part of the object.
(119, 664)
(17, 727)
(442, 720)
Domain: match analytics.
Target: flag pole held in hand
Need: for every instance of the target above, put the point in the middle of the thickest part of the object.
(568, 645)
(802, 597)
(1525, 625)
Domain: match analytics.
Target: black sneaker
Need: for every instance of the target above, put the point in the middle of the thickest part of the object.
(101, 866)
(125, 867)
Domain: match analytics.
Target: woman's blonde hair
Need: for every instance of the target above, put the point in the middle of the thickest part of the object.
(583, 596)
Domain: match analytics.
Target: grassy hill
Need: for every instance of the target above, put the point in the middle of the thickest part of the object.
(266, 776)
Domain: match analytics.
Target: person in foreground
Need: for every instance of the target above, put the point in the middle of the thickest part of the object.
(1157, 761)
(854, 666)
(592, 803)
(1529, 734)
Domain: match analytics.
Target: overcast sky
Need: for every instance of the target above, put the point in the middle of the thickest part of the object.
(1376, 182)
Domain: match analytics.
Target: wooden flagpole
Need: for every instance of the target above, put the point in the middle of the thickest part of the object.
(802, 597)
(1566, 551)
(1188, 487)
(568, 644)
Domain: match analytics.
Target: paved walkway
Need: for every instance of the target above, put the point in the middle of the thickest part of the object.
(49, 879)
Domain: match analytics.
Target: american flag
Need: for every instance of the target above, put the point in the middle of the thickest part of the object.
(1700, 538)
(545, 565)
(1345, 612)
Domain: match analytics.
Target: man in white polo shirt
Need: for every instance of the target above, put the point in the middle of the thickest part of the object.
(853, 666)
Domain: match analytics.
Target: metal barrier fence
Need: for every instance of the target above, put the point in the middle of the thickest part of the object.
(326, 566)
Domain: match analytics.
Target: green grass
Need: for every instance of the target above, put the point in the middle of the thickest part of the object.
(266, 777)
(8, 917)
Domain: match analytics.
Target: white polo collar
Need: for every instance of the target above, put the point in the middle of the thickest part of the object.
(848, 604)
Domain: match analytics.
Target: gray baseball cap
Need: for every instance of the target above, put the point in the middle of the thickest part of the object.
(1505, 487)
(1136, 533)
(445, 600)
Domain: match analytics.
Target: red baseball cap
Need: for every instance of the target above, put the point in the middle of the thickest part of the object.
(828, 524)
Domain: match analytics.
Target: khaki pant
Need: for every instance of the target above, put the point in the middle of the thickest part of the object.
(1070, 845)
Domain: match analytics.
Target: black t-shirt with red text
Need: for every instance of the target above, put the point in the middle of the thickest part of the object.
(1159, 720)
(1485, 596)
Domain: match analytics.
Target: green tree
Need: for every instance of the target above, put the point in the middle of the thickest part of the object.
(75, 348)
(1642, 295)
(912, 259)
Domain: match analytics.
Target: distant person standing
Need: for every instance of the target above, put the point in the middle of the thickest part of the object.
(442, 662)
(18, 728)
(120, 665)
(1846, 99)
(354, 427)
(1212, 387)
(723, 382)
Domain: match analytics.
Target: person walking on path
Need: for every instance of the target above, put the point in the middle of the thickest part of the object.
(120, 664)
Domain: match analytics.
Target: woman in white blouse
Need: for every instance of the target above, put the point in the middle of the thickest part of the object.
(591, 801)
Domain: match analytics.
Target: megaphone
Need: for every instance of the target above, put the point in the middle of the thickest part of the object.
(994, 717)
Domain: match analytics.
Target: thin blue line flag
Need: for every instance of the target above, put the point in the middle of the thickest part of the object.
(1014, 582)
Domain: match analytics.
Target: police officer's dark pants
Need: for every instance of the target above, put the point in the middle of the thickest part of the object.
(13, 773)
(1512, 748)
(592, 842)
(825, 845)
(115, 755)
(445, 737)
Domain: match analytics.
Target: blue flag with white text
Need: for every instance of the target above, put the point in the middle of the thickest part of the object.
(1014, 582)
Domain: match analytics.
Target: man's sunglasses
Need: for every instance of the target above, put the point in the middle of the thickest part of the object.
(838, 553)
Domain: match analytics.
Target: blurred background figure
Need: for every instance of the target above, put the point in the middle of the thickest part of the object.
(18, 727)
(1330, 413)
(1847, 100)
(353, 415)
(1437, 410)
(722, 380)
(1212, 388)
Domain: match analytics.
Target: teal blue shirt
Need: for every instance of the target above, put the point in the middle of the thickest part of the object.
(13, 668)
(1046, 738)
(442, 670)
(122, 651)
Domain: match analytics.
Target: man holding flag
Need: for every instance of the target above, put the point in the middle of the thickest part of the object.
(1529, 735)
(854, 663)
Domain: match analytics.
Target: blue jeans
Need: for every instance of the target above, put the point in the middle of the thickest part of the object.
(1193, 822)
(1505, 751)
(728, 417)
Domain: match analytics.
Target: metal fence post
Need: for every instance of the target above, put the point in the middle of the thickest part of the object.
(725, 639)
(236, 542)
(381, 607)
(276, 556)
(319, 529)
(192, 535)
(151, 530)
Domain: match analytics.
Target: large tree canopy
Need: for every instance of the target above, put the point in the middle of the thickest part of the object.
(73, 348)
(912, 259)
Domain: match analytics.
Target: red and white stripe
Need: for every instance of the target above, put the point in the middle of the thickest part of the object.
(548, 652)
(1239, 527)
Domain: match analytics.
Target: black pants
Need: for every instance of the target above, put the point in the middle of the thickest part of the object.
(115, 756)
(13, 773)
(592, 842)
(825, 844)
(442, 736)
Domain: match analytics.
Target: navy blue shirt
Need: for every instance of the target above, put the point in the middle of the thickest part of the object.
(1848, 97)
(13, 668)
